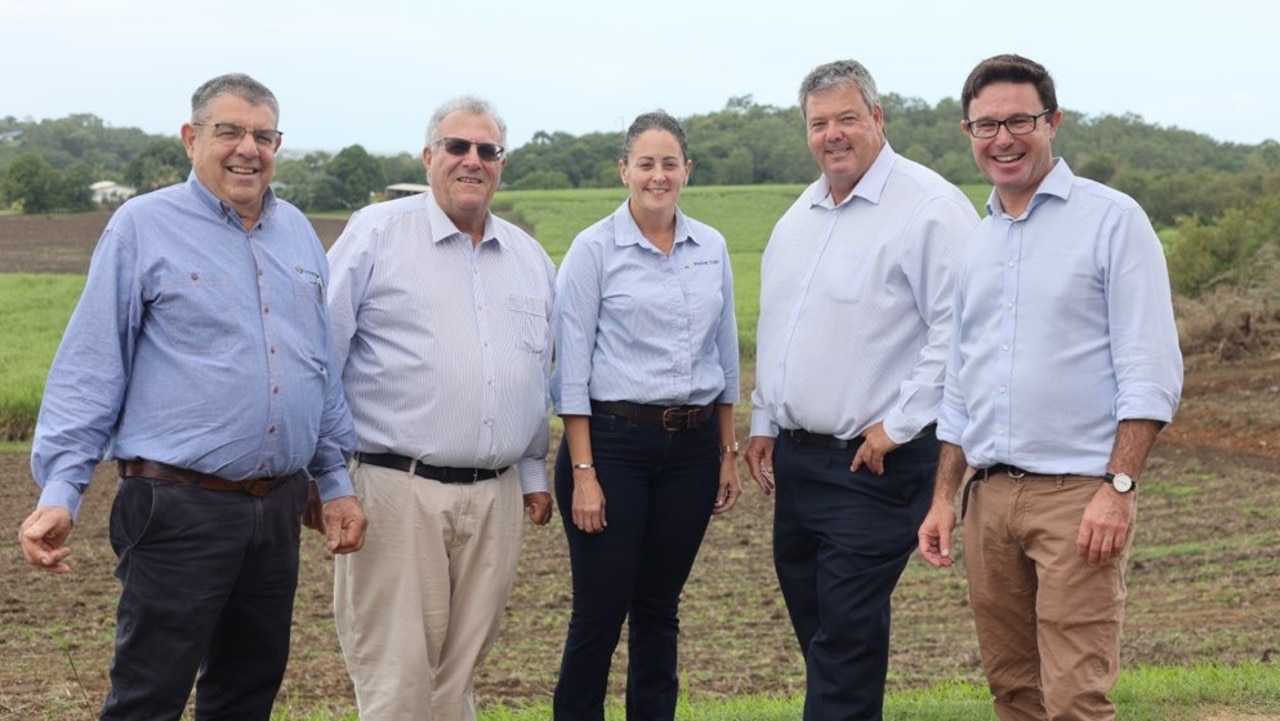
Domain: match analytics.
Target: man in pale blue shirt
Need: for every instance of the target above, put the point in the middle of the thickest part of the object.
(442, 316)
(1064, 366)
(200, 357)
(855, 319)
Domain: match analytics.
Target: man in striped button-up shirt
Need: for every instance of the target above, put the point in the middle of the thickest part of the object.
(440, 311)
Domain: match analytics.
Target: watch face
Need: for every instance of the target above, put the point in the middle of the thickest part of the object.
(1122, 482)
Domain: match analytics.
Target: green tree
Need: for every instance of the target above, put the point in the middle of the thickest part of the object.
(163, 162)
(31, 181)
(74, 191)
(542, 180)
(358, 174)
(402, 168)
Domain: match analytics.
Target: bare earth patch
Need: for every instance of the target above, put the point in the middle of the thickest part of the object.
(1204, 583)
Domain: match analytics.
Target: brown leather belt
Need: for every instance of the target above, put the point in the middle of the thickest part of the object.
(671, 418)
(165, 473)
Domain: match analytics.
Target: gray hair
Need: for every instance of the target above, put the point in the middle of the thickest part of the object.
(238, 84)
(465, 104)
(654, 120)
(835, 74)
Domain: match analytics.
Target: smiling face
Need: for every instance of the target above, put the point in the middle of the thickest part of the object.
(654, 171)
(845, 136)
(464, 185)
(1015, 163)
(237, 173)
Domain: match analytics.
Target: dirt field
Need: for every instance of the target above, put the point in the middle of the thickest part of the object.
(1204, 584)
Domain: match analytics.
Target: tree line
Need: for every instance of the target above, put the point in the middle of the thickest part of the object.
(1218, 196)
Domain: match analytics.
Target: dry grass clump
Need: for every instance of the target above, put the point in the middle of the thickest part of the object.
(1231, 323)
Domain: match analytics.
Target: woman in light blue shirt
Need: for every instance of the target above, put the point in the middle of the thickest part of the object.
(646, 379)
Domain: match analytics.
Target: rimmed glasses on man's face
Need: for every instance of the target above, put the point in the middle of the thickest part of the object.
(1016, 125)
(488, 152)
(232, 134)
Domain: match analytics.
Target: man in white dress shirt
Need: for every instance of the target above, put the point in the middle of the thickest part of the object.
(855, 314)
(441, 314)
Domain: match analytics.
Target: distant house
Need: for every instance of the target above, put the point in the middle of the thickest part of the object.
(10, 136)
(108, 192)
(401, 190)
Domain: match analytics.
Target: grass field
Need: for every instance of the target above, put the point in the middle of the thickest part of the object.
(1200, 634)
(34, 307)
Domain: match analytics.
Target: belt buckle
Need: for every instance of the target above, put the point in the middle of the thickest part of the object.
(1015, 473)
(475, 475)
(258, 487)
(676, 419)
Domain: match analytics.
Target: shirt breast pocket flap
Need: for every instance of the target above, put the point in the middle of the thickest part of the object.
(529, 320)
(198, 312)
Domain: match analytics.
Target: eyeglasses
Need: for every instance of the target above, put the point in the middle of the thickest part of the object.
(232, 134)
(1016, 125)
(489, 152)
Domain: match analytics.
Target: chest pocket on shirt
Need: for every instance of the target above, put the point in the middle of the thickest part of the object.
(309, 313)
(197, 312)
(529, 320)
(845, 274)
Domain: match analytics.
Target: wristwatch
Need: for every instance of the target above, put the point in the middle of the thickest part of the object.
(1120, 481)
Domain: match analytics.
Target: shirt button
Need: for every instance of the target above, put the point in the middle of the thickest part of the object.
(272, 429)
(266, 309)
(1013, 264)
(1005, 347)
(1003, 389)
(1008, 306)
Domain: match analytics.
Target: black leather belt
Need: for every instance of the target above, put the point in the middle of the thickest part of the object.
(1005, 469)
(435, 473)
(165, 473)
(671, 418)
(822, 440)
(999, 469)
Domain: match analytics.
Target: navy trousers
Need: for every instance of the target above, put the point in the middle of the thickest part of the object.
(840, 541)
(207, 585)
(659, 489)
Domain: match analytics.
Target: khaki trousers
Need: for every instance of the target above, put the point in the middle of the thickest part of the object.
(418, 608)
(1048, 623)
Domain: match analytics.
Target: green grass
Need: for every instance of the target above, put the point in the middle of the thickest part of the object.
(34, 308)
(1158, 693)
(33, 312)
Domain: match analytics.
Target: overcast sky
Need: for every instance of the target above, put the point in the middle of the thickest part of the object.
(371, 72)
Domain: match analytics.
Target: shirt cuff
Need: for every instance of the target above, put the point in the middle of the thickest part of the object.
(335, 484)
(62, 495)
(533, 475)
(761, 425)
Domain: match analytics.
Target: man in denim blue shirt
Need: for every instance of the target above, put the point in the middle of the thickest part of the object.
(200, 357)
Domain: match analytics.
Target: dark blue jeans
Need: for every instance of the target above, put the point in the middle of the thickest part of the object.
(207, 584)
(659, 489)
(840, 541)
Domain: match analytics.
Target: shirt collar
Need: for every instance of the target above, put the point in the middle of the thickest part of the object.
(442, 228)
(1055, 184)
(216, 204)
(869, 187)
(626, 232)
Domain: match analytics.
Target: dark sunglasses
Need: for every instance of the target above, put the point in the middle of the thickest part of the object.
(459, 147)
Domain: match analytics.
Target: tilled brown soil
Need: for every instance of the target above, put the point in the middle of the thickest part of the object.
(1204, 583)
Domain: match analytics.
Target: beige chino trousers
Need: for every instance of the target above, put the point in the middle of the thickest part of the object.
(1048, 623)
(418, 608)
